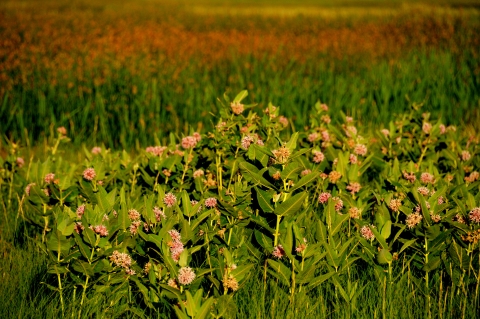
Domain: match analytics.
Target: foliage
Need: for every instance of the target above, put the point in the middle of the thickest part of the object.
(194, 221)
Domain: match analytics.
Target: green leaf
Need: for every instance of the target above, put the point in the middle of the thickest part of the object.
(292, 143)
(384, 256)
(264, 241)
(240, 96)
(279, 271)
(387, 229)
(204, 310)
(290, 170)
(291, 205)
(305, 180)
(315, 282)
(251, 171)
(264, 200)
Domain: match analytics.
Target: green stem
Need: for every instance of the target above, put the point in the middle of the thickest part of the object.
(277, 228)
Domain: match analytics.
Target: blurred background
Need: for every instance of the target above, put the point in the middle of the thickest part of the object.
(126, 73)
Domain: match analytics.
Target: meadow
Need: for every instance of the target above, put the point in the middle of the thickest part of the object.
(239, 159)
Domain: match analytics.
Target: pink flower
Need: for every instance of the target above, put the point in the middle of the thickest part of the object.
(134, 227)
(354, 212)
(169, 199)
(78, 227)
(101, 230)
(198, 173)
(49, 178)
(351, 131)
(175, 235)
(159, 214)
(472, 177)
(427, 127)
(96, 150)
(423, 190)
(237, 108)
(367, 233)
(80, 211)
(133, 214)
(427, 178)
(395, 204)
(409, 176)
(324, 107)
(312, 137)
(278, 252)
(189, 142)
(385, 132)
(323, 198)
(440, 200)
(466, 156)
(197, 136)
(318, 157)
(306, 172)
(89, 174)
(211, 202)
(156, 150)
(338, 203)
(348, 119)
(27, 189)
(360, 149)
(353, 159)
(247, 141)
(325, 136)
(413, 220)
(283, 120)
(354, 187)
(474, 215)
(326, 119)
(20, 162)
(186, 276)
(121, 259)
(62, 130)
(442, 128)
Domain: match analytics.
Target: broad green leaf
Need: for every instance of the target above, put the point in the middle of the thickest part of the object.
(384, 256)
(291, 205)
(280, 271)
(315, 282)
(264, 200)
(252, 172)
(305, 180)
(240, 96)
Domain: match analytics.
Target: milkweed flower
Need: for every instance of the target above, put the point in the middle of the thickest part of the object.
(186, 275)
(121, 259)
(353, 159)
(334, 176)
(423, 190)
(198, 173)
(354, 187)
(278, 252)
(474, 215)
(426, 127)
(159, 214)
(338, 203)
(409, 176)
(80, 211)
(49, 178)
(318, 156)
(427, 178)
(283, 120)
(169, 199)
(247, 141)
(62, 130)
(96, 150)
(354, 212)
(173, 283)
(230, 282)
(323, 198)
(360, 149)
(20, 162)
(237, 108)
(211, 202)
(27, 189)
(89, 174)
(189, 142)
(395, 204)
(367, 233)
(466, 156)
(101, 230)
(413, 220)
(305, 172)
(133, 214)
(385, 132)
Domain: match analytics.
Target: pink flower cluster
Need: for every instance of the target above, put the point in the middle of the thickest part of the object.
(133, 214)
(312, 137)
(159, 214)
(186, 275)
(353, 159)
(80, 211)
(121, 259)
(27, 189)
(96, 150)
(466, 156)
(318, 156)
(191, 141)
(338, 203)
(278, 252)
(101, 230)
(176, 246)
(283, 120)
(413, 220)
(237, 108)
(211, 202)
(360, 149)
(354, 187)
(409, 176)
(89, 174)
(474, 215)
(198, 173)
(323, 198)
(156, 150)
(427, 178)
(169, 199)
(49, 178)
(367, 233)
(472, 177)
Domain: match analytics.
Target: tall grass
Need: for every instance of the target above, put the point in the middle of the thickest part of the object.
(112, 114)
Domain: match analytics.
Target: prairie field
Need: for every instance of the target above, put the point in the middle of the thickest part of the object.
(240, 159)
